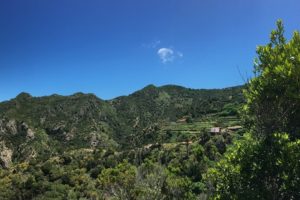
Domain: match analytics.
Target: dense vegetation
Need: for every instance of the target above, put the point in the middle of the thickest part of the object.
(266, 163)
(157, 143)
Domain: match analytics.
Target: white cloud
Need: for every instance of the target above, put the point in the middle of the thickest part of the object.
(168, 55)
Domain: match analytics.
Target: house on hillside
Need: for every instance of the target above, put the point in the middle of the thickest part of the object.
(218, 130)
(215, 130)
(234, 128)
(182, 120)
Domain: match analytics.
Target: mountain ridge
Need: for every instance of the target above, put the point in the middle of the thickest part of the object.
(62, 123)
(24, 93)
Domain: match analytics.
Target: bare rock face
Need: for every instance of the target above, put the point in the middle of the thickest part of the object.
(5, 156)
(94, 140)
(13, 127)
(26, 130)
(30, 134)
(10, 127)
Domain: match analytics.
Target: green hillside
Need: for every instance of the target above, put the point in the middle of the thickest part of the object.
(53, 142)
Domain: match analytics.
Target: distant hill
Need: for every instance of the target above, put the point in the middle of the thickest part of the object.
(152, 104)
(83, 147)
(35, 126)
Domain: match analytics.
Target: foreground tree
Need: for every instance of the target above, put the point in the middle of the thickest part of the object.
(273, 95)
(118, 182)
(150, 181)
(250, 170)
(265, 164)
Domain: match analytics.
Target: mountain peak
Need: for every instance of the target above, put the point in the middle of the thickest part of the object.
(23, 95)
(150, 86)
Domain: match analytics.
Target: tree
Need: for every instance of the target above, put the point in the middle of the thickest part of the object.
(253, 170)
(273, 95)
(267, 166)
(178, 188)
(118, 182)
(151, 178)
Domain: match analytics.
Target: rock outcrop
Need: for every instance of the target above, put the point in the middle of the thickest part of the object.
(13, 127)
(5, 156)
(8, 127)
(26, 131)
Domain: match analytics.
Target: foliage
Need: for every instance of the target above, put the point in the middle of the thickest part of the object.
(150, 182)
(273, 95)
(119, 181)
(265, 164)
(254, 169)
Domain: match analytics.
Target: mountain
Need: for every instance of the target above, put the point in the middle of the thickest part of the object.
(55, 147)
(35, 126)
(171, 102)
(146, 109)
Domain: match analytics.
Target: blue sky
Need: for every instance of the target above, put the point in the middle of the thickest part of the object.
(113, 48)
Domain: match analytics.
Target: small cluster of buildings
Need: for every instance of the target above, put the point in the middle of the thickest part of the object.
(216, 130)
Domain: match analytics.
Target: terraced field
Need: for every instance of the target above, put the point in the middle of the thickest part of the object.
(179, 131)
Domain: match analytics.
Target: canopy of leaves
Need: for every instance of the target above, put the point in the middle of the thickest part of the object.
(265, 164)
(273, 95)
(254, 169)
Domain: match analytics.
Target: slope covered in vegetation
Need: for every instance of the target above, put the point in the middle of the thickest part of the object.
(59, 146)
